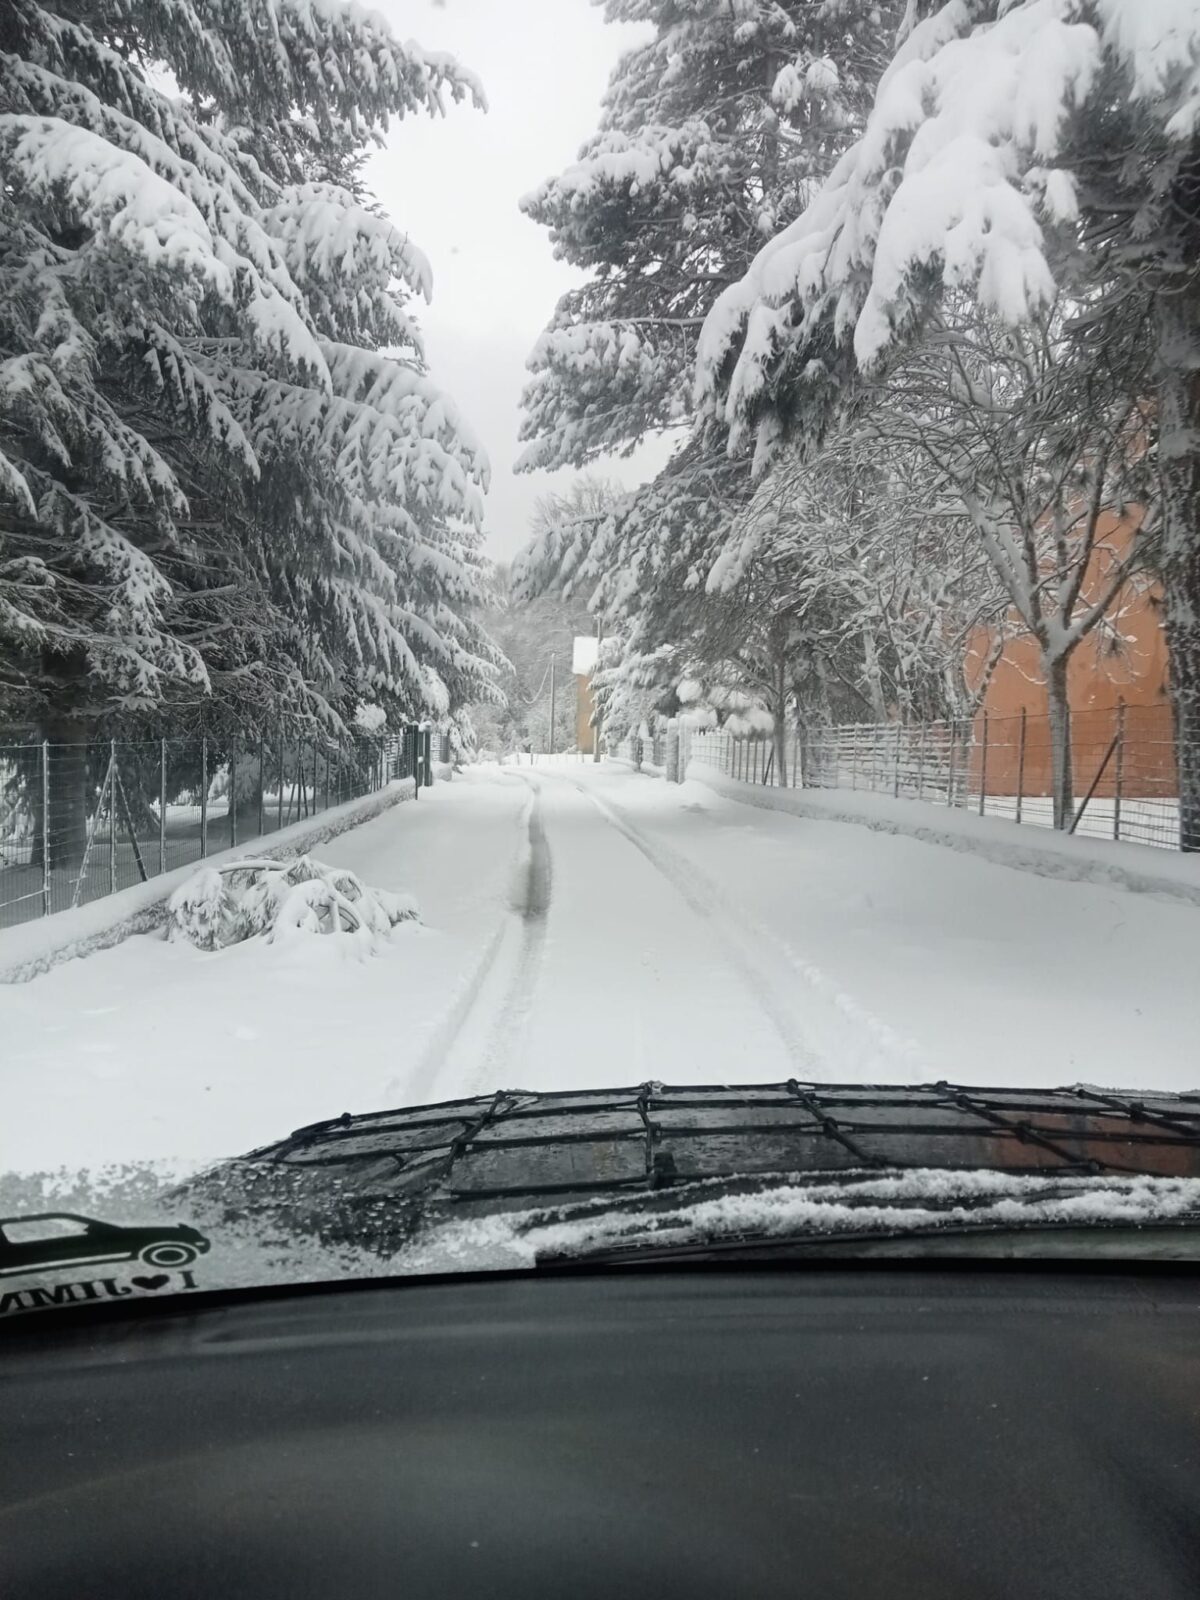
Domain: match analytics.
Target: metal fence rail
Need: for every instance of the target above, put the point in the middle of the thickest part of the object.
(1123, 763)
(82, 820)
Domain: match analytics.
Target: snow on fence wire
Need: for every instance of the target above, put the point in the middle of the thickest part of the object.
(1123, 761)
(78, 821)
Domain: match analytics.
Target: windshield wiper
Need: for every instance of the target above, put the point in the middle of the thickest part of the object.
(1175, 1239)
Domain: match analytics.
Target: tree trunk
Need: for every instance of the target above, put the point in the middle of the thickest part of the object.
(779, 753)
(874, 677)
(812, 719)
(1061, 779)
(1179, 465)
(779, 732)
(68, 742)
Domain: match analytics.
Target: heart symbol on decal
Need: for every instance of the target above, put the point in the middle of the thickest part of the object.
(156, 1282)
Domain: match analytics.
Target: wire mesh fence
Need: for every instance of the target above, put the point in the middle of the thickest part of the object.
(646, 752)
(82, 820)
(1123, 759)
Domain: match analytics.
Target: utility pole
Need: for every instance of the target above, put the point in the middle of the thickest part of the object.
(551, 743)
(595, 702)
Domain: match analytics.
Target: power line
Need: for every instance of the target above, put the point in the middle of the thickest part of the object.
(538, 694)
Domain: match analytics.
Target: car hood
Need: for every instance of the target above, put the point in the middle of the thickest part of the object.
(523, 1179)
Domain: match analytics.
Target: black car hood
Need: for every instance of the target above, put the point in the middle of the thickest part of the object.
(386, 1178)
(516, 1180)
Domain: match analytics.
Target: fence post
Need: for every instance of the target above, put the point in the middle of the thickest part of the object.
(950, 774)
(1021, 766)
(112, 816)
(279, 796)
(262, 786)
(93, 829)
(1119, 780)
(233, 797)
(45, 827)
(896, 773)
(983, 768)
(921, 764)
(162, 805)
(203, 797)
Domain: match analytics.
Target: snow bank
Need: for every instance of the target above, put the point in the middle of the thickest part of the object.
(1005, 844)
(155, 1052)
(35, 947)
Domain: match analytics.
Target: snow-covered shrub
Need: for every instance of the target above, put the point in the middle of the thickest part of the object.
(202, 910)
(276, 900)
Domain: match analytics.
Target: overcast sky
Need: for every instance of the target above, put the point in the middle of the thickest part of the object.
(454, 185)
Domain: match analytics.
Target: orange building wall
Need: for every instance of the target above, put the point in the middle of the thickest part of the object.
(1099, 678)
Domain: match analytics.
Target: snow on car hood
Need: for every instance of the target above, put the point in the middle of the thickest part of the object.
(252, 1253)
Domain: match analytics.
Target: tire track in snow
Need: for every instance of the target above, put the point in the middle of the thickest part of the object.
(531, 903)
(482, 1030)
(835, 1035)
(699, 898)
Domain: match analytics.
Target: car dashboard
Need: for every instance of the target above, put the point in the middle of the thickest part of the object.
(814, 1431)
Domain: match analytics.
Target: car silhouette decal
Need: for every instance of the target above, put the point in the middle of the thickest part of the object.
(46, 1240)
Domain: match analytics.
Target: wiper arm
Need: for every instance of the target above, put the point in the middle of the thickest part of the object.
(1176, 1239)
(902, 1212)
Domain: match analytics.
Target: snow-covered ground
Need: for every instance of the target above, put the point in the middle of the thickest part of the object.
(586, 926)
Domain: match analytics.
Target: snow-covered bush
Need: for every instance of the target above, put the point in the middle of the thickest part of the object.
(276, 900)
(203, 911)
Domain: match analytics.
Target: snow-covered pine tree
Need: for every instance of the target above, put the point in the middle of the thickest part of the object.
(1013, 151)
(714, 131)
(713, 134)
(213, 487)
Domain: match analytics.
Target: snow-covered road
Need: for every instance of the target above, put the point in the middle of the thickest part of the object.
(589, 926)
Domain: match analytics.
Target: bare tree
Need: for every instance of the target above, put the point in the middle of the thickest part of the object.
(1040, 436)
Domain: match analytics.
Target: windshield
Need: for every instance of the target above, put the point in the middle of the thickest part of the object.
(599, 638)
